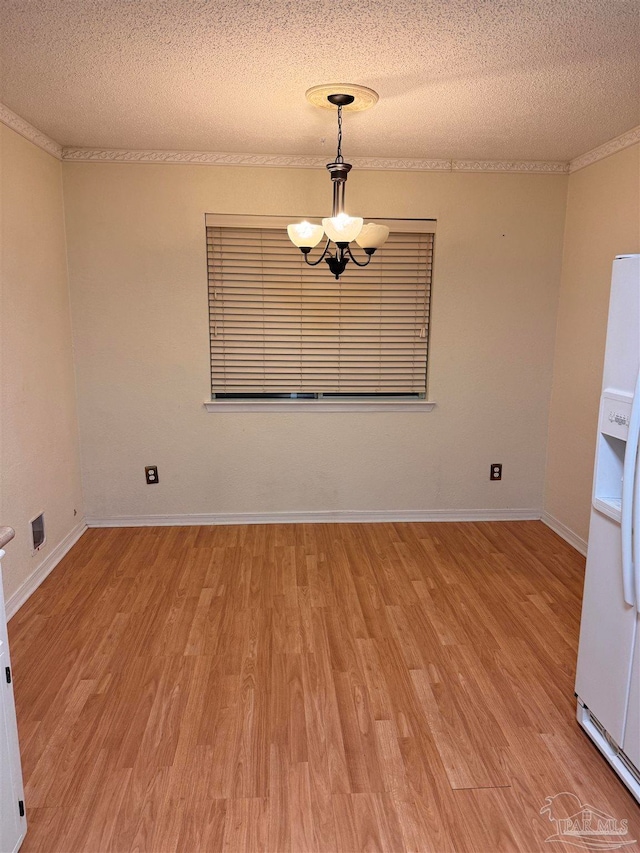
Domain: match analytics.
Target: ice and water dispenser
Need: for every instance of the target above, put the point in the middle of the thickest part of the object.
(615, 412)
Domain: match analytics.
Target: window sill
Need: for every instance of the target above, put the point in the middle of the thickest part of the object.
(344, 405)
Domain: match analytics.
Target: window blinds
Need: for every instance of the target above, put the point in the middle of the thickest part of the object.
(280, 327)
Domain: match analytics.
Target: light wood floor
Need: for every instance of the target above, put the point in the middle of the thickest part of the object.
(393, 687)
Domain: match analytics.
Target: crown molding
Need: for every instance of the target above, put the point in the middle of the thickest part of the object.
(206, 158)
(15, 122)
(212, 158)
(292, 161)
(402, 164)
(611, 147)
(552, 167)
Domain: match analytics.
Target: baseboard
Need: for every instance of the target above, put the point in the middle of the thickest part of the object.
(565, 532)
(30, 585)
(322, 517)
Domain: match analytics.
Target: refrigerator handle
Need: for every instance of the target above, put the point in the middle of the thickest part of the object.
(635, 563)
(630, 548)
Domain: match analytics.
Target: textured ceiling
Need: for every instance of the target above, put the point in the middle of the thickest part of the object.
(519, 79)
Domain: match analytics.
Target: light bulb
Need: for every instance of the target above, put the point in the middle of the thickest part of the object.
(372, 236)
(305, 234)
(342, 228)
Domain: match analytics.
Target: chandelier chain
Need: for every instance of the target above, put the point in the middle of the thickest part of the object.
(339, 157)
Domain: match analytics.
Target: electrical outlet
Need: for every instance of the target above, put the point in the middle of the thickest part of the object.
(495, 472)
(151, 473)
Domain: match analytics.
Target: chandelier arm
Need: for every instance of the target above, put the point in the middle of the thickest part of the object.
(356, 261)
(320, 259)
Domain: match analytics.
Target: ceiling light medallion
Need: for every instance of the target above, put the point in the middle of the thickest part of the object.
(340, 229)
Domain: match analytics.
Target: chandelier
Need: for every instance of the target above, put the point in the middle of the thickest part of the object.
(340, 229)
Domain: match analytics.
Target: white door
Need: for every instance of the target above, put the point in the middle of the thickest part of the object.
(11, 831)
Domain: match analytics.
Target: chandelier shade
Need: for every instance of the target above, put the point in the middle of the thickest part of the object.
(305, 234)
(372, 236)
(340, 229)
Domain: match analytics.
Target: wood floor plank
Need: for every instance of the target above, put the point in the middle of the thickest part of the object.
(379, 698)
(436, 818)
(284, 688)
(146, 789)
(188, 770)
(278, 819)
(321, 709)
(298, 752)
(366, 822)
(44, 776)
(301, 820)
(202, 827)
(356, 759)
(246, 826)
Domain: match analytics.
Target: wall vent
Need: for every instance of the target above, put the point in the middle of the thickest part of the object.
(38, 536)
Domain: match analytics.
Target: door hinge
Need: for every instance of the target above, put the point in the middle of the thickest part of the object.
(21, 807)
(7, 672)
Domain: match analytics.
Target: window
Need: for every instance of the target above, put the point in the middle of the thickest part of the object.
(282, 329)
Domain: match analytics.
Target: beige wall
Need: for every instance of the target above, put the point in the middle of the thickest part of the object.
(39, 464)
(137, 266)
(602, 221)
(137, 271)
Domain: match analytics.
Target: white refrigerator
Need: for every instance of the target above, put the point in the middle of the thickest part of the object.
(608, 671)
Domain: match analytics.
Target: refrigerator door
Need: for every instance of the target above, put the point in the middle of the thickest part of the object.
(631, 743)
(622, 354)
(607, 630)
(608, 671)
